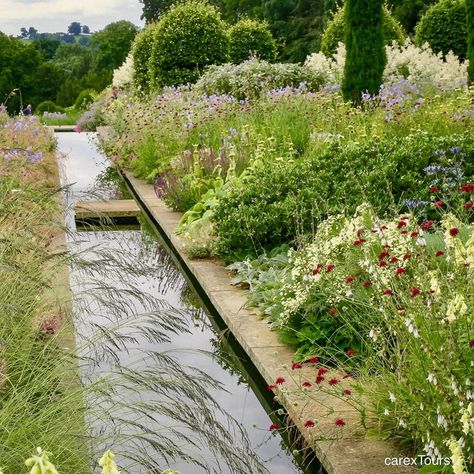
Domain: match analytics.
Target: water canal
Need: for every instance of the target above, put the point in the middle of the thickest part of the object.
(126, 281)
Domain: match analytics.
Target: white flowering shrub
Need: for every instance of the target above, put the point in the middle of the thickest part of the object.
(123, 76)
(417, 65)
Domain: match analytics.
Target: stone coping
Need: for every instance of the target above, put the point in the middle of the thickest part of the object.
(340, 451)
(116, 208)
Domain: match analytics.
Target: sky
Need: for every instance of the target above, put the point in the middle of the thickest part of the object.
(55, 15)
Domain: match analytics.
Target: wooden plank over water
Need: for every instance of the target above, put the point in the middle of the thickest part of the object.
(117, 208)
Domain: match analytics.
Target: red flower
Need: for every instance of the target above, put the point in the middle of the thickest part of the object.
(350, 352)
(271, 387)
(296, 365)
(333, 312)
(400, 309)
(359, 242)
(306, 384)
(274, 426)
(414, 234)
(367, 283)
(439, 253)
(468, 205)
(322, 371)
(471, 343)
(340, 422)
(347, 392)
(401, 224)
(467, 188)
(333, 381)
(350, 279)
(384, 227)
(453, 231)
(427, 225)
(330, 268)
(400, 270)
(394, 260)
(383, 263)
(313, 360)
(404, 232)
(317, 269)
(407, 256)
(383, 255)
(319, 379)
(309, 424)
(280, 380)
(434, 189)
(439, 203)
(415, 292)
(405, 217)
(388, 292)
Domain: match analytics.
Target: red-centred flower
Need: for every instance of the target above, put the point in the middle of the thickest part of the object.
(439, 253)
(439, 203)
(468, 205)
(330, 268)
(471, 343)
(350, 279)
(312, 360)
(453, 231)
(415, 291)
(407, 256)
(383, 255)
(434, 189)
(322, 371)
(340, 422)
(296, 365)
(306, 384)
(367, 283)
(347, 392)
(280, 380)
(401, 224)
(400, 271)
(359, 242)
(271, 387)
(467, 188)
(319, 379)
(333, 381)
(427, 225)
(309, 424)
(274, 426)
(383, 227)
(388, 292)
(333, 312)
(394, 260)
(350, 352)
(383, 263)
(414, 234)
(317, 269)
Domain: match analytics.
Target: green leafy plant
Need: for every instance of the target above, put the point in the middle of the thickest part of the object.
(141, 51)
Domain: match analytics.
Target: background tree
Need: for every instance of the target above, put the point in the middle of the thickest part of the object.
(85, 29)
(365, 48)
(47, 46)
(409, 12)
(23, 33)
(152, 9)
(470, 39)
(74, 28)
(32, 32)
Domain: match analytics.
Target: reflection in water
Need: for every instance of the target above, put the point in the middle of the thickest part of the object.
(160, 394)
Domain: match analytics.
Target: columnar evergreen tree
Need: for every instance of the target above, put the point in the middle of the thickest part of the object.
(470, 39)
(366, 56)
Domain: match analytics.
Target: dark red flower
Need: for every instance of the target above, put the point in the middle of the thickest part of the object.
(322, 371)
(274, 426)
(319, 379)
(404, 232)
(350, 352)
(453, 231)
(394, 260)
(374, 231)
(388, 292)
(405, 217)
(313, 360)
(306, 384)
(439, 253)
(347, 392)
(350, 279)
(414, 234)
(415, 292)
(367, 283)
(333, 312)
(330, 268)
(439, 203)
(317, 269)
(340, 422)
(333, 381)
(382, 255)
(384, 227)
(434, 189)
(427, 225)
(468, 205)
(296, 365)
(309, 424)
(467, 188)
(280, 380)
(471, 343)
(359, 242)
(271, 387)
(383, 263)
(400, 270)
(401, 224)
(400, 309)
(407, 256)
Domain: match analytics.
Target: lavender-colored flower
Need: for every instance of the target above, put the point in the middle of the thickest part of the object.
(414, 203)
(433, 169)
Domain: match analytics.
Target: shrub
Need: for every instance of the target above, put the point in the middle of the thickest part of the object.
(334, 33)
(141, 53)
(272, 205)
(251, 38)
(84, 99)
(188, 37)
(364, 40)
(444, 27)
(470, 38)
(251, 78)
(48, 106)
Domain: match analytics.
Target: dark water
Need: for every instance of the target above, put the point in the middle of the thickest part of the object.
(143, 266)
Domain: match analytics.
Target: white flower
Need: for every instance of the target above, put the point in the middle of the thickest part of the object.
(392, 397)
(386, 412)
(432, 379)
(402, 423)
(456, 307)
(457, 459)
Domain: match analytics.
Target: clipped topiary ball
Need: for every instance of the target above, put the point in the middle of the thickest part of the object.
(444, 28)
(334, 32)
(48, 106)
(141, 52)
(85, 97)
(249, 38)
(188, 37)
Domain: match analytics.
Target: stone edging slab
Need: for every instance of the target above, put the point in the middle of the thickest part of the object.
(349, 452)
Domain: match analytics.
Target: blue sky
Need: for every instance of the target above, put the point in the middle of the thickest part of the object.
(56, 15)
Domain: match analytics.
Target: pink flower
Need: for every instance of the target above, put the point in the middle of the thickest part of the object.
(407, 256)
(313, 360)
(271, 387)
(383, 263)
(322, 371)
(359, 242)
(367, 283)
(394, 260)
(280, 381)
(319, 379)
(414, 234)
(296, 365)
(434, 189)
(401, 224)
(439, 203)
(471, 343)
(383, 255)
(317, 269)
